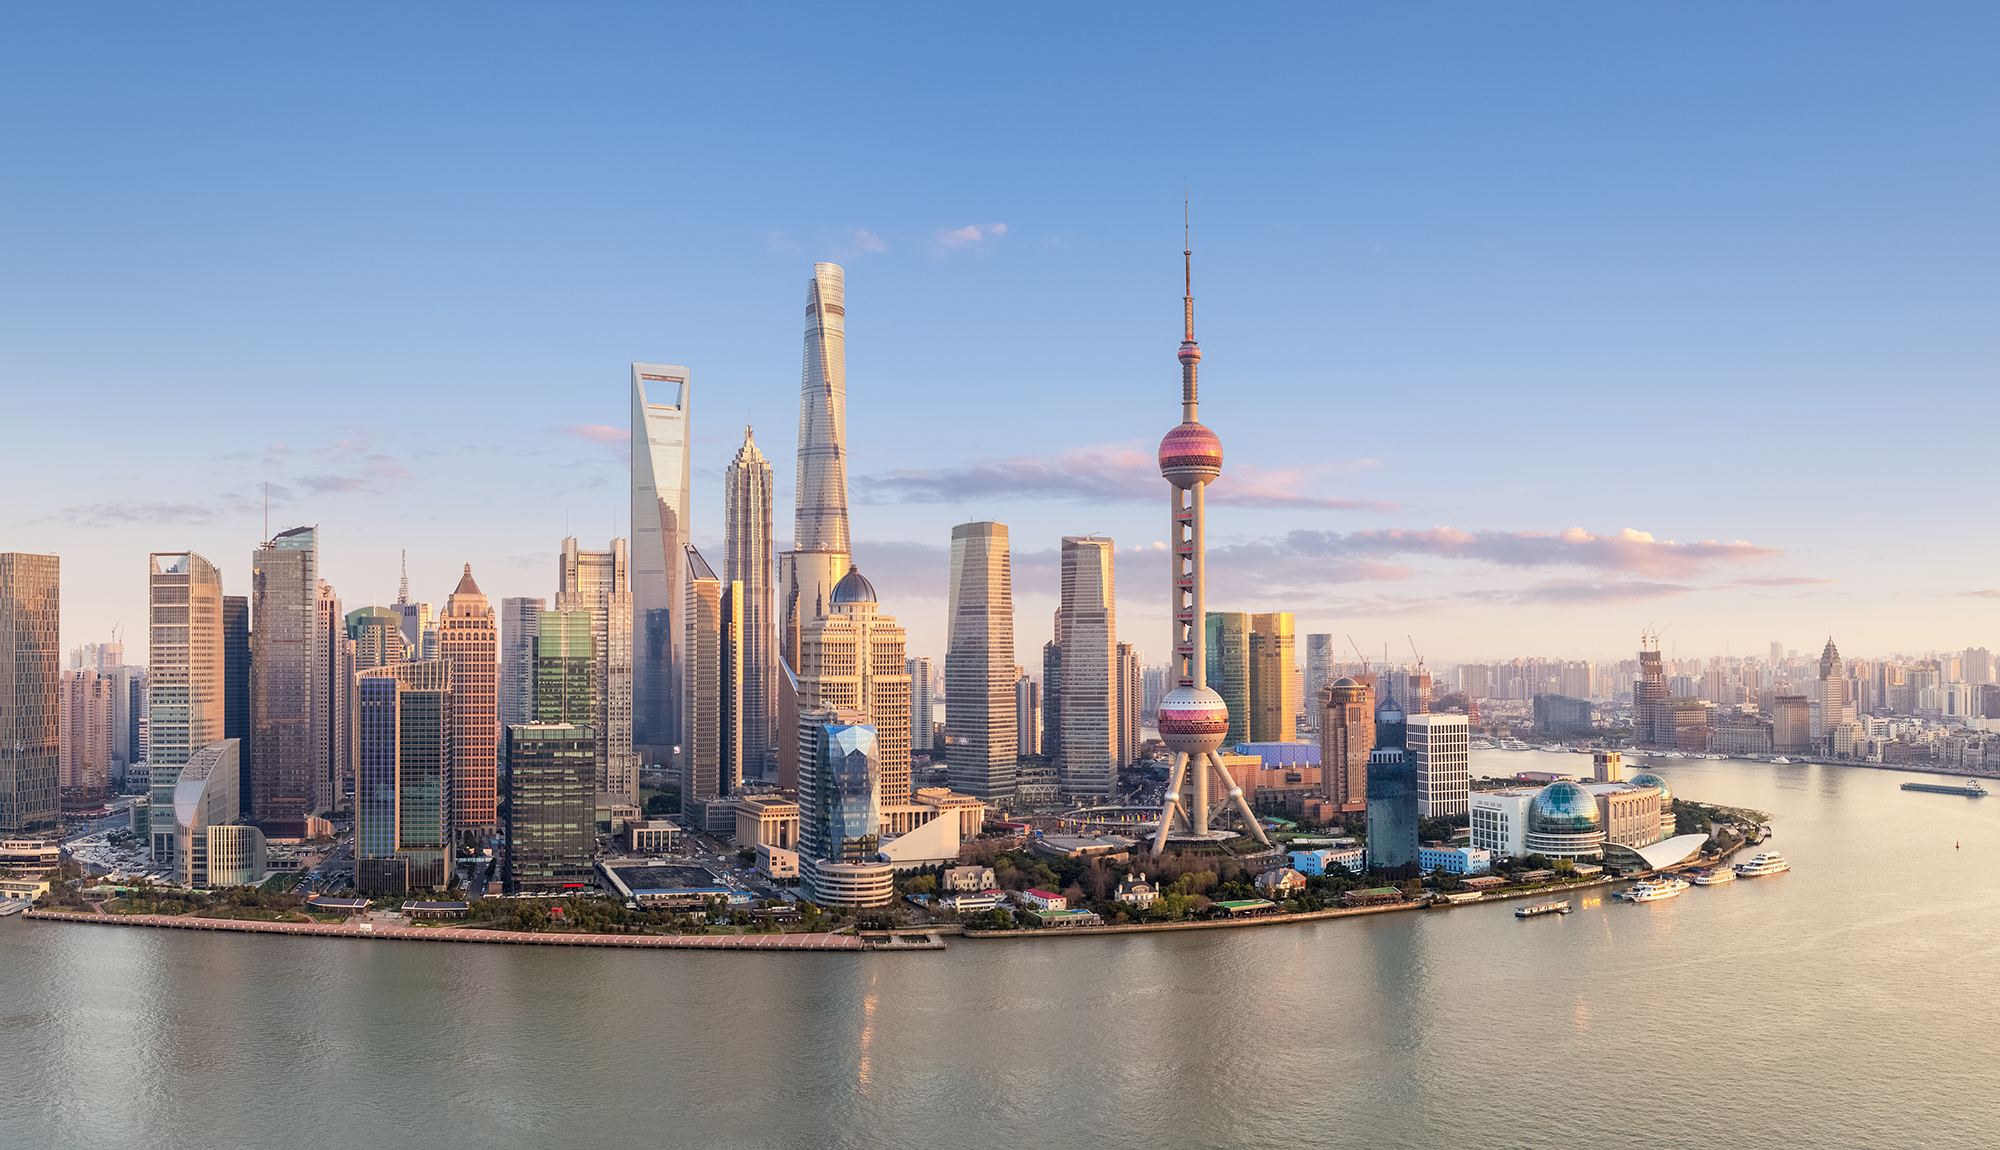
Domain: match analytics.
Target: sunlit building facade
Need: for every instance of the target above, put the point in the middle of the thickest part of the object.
(661, 405)
(30, 691)
(979, 664)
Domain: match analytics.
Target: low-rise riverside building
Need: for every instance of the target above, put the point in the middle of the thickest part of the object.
(434, 910)
(1325, 860)
(1247, 907)
(1136, 890)
(1064, 917)
(1455, 860)
(23, 889)
(1281, 883)
(970, 878)
(1043, 900)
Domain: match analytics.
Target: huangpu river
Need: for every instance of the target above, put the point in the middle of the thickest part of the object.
(1847, 1003)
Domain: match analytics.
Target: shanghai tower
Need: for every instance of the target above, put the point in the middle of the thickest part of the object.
(821, 545)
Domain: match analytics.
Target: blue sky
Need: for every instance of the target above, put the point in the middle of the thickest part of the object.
(1468, 277)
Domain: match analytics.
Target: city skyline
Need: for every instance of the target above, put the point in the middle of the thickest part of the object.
(1538, 321)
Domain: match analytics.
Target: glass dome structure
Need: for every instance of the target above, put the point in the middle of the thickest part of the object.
(1563, 808)
(1649, 779)
(854, 588)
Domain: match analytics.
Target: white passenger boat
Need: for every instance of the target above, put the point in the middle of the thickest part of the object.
(1781, 760)
(1770, 862)
(1655, 889)
(1713, 877)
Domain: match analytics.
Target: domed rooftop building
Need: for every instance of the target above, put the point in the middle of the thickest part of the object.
(1563, 823)
(1649, 779)
(853, 587)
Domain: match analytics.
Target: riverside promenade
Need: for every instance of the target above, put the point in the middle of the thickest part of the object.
(377, 930)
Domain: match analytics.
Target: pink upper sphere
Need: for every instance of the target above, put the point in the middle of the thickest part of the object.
(1190, 353)
(1190, 453)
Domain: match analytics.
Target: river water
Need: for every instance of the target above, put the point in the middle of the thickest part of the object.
(1842, 1004)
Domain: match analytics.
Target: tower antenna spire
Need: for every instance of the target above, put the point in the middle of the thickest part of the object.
(403, 588)
(1187, 268)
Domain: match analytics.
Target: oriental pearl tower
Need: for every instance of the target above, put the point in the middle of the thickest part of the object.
(1193, 719)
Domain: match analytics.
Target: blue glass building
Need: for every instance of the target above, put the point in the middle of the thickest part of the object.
(1392, 795)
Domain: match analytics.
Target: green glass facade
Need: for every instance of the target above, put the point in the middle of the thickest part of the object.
(551, 810)
(565, 663)
(1228, 644)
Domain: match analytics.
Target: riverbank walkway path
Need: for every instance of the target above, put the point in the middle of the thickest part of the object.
(379, 930)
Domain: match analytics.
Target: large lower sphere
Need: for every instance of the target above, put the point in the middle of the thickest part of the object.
(1193, 720)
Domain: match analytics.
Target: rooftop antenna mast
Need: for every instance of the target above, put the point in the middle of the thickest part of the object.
(403, 588)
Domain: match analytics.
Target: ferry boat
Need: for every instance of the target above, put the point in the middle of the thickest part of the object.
(1781, 761)
(1655, 889)
(1713, 877)
(1513, 745)
(13, 906)
(1541, 908)
(1970, 789)
(1770, 862)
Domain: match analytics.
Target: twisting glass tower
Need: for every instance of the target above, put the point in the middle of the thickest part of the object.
(1193, 719)
(820, 555)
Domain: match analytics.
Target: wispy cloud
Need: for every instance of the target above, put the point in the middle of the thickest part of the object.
(1580, 591)
(377, 473)
(1989, 593)
(1628, 552)
(969, 236)
(867, 241)
(1793, 581)
(130, 514)
(1106, 472)
(617, 439)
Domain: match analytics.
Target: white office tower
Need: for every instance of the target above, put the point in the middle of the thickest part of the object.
(1440, 748)
(821, 546)
(520, 622)
(332, 732)
(979, 725)
(1193, 718)
(660, 532)
(184, 675)
(600, 582)
(287, 683)
(746, 560)
(1088, 637)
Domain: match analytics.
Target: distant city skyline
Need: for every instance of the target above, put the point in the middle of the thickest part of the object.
(1458, 226)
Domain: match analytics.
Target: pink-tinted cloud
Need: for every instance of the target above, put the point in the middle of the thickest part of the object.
(1581, 592)
(617, 440)
(1627, 553)
(377, 473)
(1796, 581)
(1989, 593)
(1103, 473)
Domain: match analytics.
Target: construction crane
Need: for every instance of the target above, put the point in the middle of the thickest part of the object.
(1358, 654)
(1417, 653)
